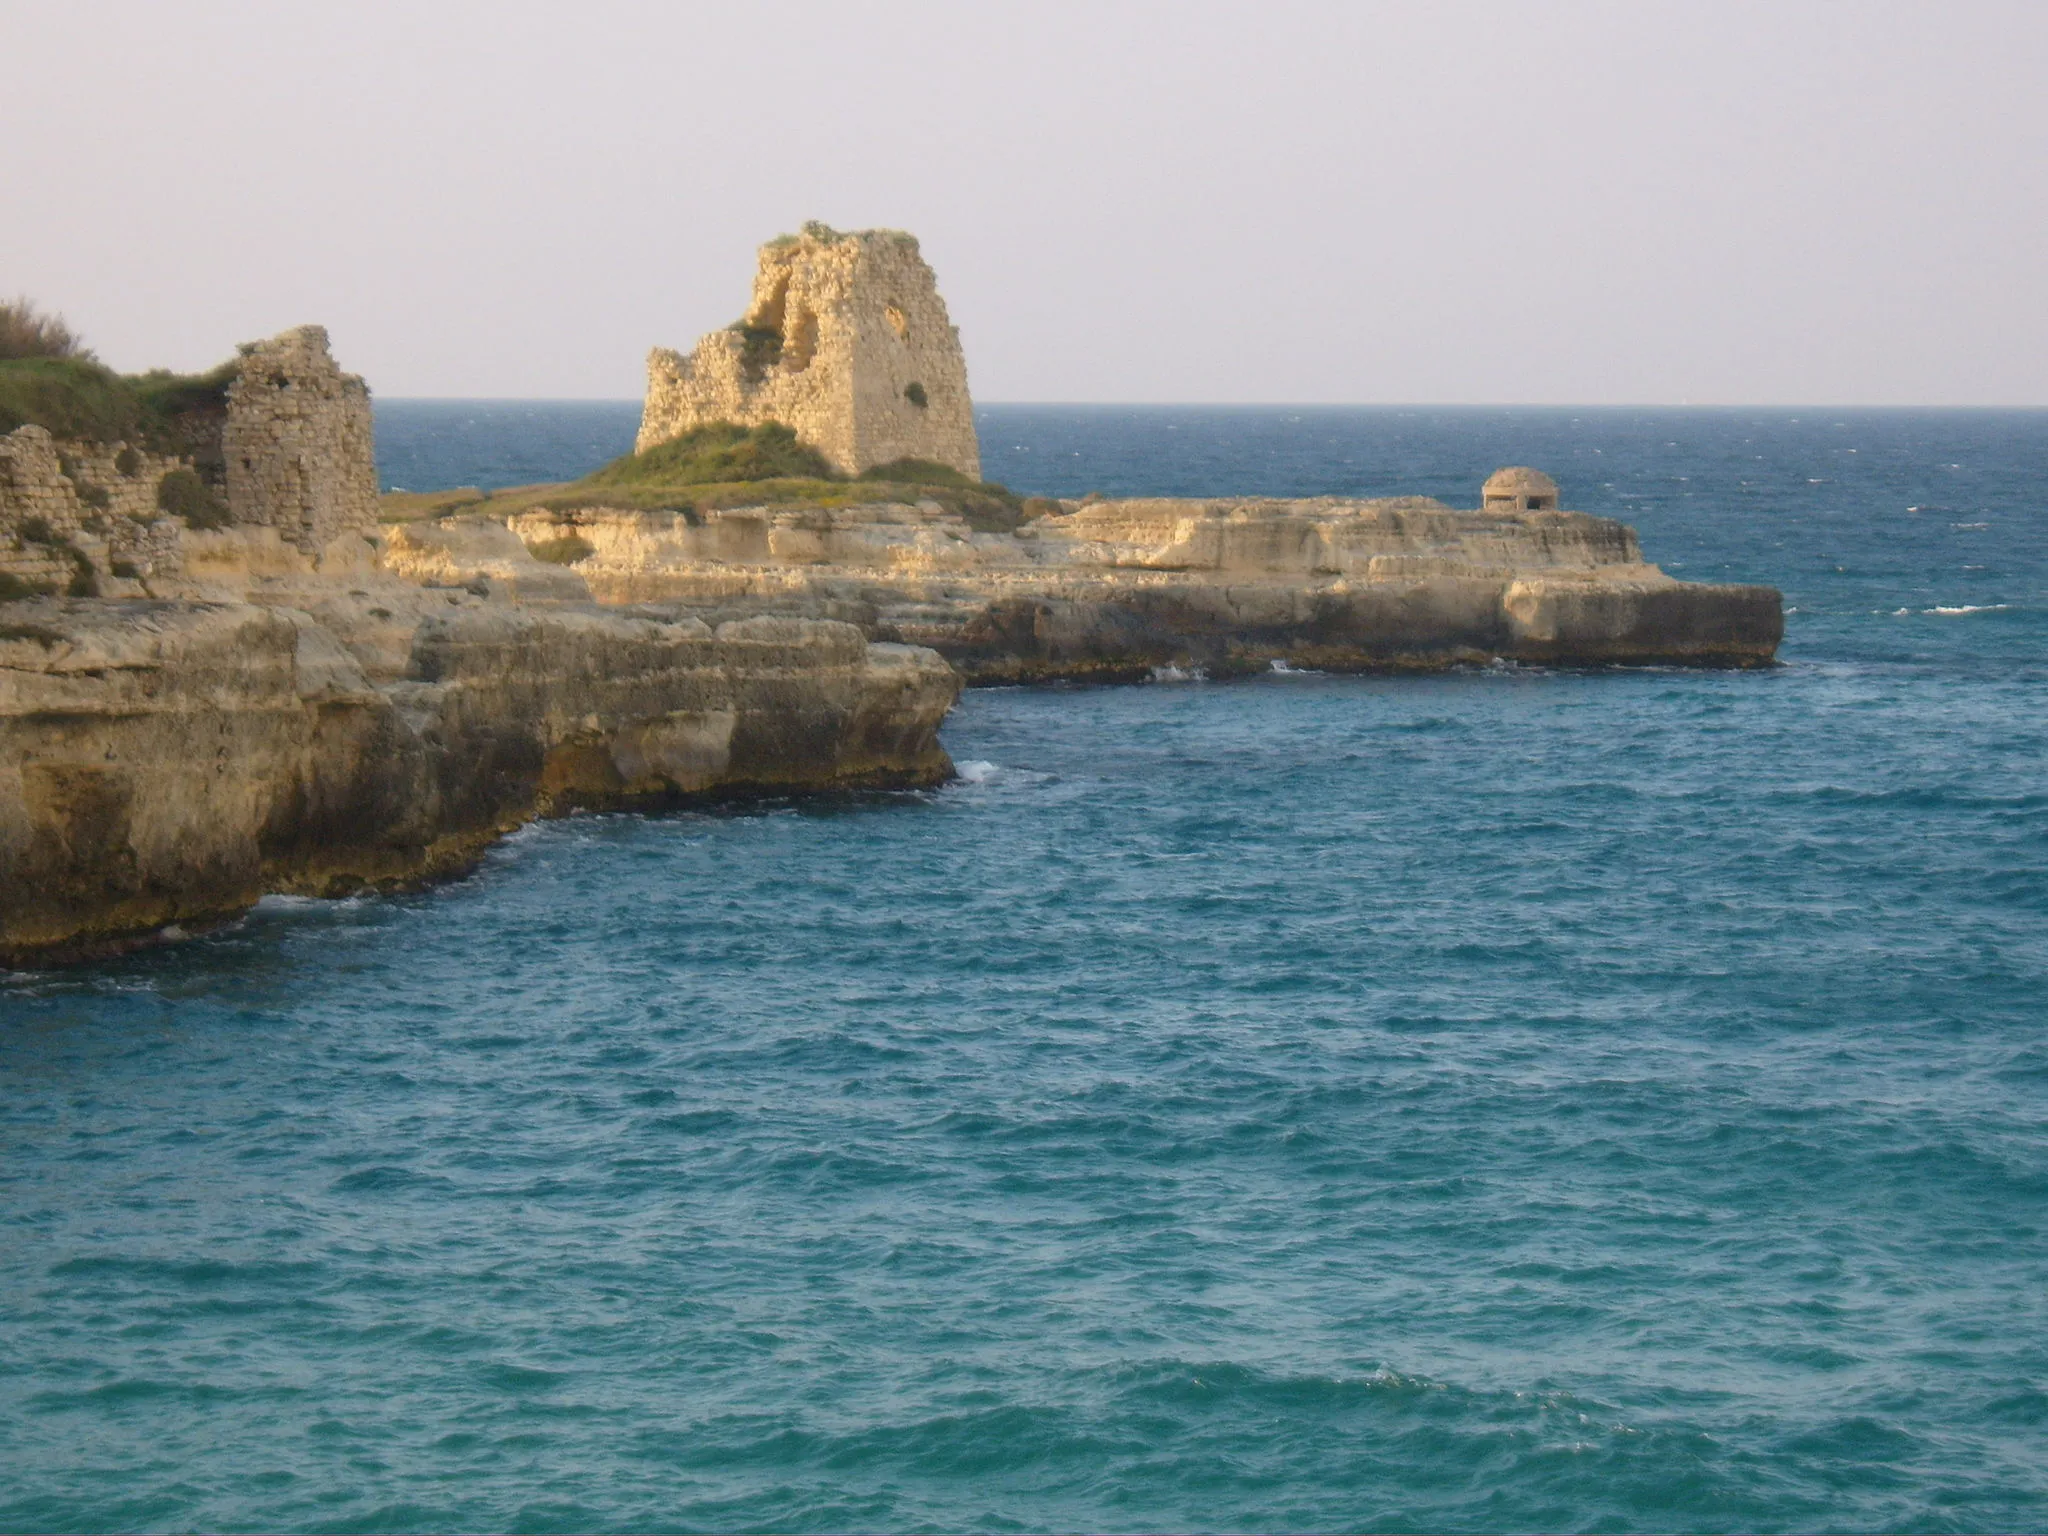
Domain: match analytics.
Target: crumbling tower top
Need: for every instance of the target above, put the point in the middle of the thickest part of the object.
(846, 342)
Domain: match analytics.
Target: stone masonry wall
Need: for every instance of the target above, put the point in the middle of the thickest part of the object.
(847, 343)
(300, 454)
(50, 519)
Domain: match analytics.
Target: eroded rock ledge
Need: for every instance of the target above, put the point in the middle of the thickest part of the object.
(164, 763)
(1114, 589)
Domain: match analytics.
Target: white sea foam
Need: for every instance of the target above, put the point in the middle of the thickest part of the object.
(976, 771)
(279, 902)
(1173, 674)
(1970, 608)
(1286, 670)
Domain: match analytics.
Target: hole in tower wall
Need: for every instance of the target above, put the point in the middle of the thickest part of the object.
(800, 341)
(761, 331)
(767, 315)
(914, 393)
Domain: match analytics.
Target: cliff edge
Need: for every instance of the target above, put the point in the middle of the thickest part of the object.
(1115, 589)
(211, 687)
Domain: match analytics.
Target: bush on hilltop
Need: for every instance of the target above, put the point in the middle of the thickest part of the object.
(719, 453)
(26, 331)
(50, 379)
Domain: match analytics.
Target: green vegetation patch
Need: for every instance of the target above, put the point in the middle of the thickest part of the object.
(924, 472)
(26, 331)
(183, 493)
(79, 400)
(412, 506)
(720, 466)
(719, 453)
(170, 395)
(71, 397)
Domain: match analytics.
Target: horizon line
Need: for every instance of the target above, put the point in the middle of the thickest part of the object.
(1322, 405)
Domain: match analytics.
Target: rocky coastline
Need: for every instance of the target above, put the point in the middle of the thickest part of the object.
(196, 711)
(164, 763)
(227, 668)
(1116, 590)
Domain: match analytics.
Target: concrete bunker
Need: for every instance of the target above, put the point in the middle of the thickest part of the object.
(1518, 488)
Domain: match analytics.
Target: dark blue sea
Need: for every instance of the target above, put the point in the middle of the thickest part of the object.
(1510, 1100)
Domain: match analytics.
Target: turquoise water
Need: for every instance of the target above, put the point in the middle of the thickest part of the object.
(1496, 1101)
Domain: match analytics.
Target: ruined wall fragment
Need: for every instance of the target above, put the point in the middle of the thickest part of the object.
(300, 453)
(73, 515)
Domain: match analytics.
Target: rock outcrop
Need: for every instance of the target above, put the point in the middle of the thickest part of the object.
(168, 762)
(1115, 589)
(847, 342)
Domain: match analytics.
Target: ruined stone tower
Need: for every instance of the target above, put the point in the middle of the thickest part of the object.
(297, 441)
(846, 342)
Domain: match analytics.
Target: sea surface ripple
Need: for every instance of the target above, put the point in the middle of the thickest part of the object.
(1497, 1101)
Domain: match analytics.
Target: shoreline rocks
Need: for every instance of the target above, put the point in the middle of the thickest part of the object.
(1111, 590)
(167, 763)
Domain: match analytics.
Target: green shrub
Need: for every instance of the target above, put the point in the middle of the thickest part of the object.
(566, 549)
(760, 348)
(37, 530)
(165, 394)
(128, 461)
(26, 331)
(917, 472)
(72, 397)
(718, 454)
(182, 493)
(77, 399)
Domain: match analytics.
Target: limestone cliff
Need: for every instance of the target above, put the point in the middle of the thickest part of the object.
(168, 762)
(846, 341)
(1113, 589)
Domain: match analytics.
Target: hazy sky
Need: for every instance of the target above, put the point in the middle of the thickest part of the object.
(1566, 201)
